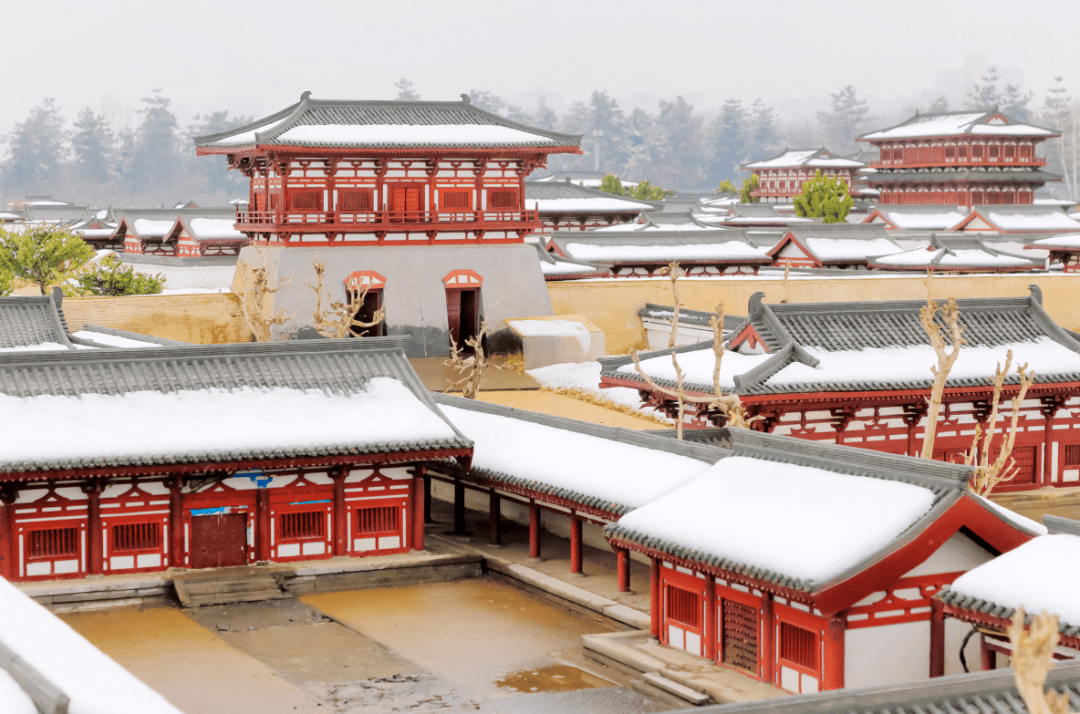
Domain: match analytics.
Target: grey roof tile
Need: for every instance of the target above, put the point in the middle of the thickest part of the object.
(912, 176)
(29, 321)
(548, 190)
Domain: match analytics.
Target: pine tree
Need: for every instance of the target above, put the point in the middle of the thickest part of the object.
(156, 163)
(611, 184)
(824, 197)
(727, 140)
(42, 256)
(608, 128)
(746, 195)
(644, 191)
(1013, 102)
(985, 96)
(214, 178)
(680, 140)
(93, 145)
(37, 152)
(641, 138)
(405, 91)
(763, 136)
(850, 117)
(1063, 154)
(110, 277)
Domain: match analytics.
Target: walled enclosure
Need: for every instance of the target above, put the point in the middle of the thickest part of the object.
(415, 295)
(613, 304)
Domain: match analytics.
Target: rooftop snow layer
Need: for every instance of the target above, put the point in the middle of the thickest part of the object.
(726, 250)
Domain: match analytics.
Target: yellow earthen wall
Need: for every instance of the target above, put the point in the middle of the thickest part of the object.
(613, 304)
(203, 319)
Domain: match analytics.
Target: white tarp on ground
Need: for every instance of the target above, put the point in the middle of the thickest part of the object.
(623, 474)
(1041, 574)
(798, 521)
(94, 682)
(229, 422)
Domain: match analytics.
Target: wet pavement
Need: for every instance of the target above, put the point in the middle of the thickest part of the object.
(470, 645)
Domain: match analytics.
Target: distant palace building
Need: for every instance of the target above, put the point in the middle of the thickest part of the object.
(781, 178)
(964, 158)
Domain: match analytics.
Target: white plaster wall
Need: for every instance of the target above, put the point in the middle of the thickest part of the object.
(896, 654)
(959, 553)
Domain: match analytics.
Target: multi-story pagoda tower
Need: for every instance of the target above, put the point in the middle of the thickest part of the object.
(959, 158)
(422, 202)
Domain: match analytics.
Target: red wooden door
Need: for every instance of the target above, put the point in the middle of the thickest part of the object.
(219, 541)
(463, 315)
(1025, 459)
(406, 202)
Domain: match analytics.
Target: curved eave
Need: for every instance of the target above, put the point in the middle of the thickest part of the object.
(956, 268)
(396, 150)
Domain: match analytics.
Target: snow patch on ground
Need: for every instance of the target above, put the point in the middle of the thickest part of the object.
(585, 376)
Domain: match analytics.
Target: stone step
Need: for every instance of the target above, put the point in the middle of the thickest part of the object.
(229, 588)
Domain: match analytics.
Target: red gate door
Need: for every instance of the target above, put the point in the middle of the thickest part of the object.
(463, 315)
(219, 541)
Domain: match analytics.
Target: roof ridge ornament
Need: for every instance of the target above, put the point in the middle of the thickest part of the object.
(465, 99)
(305, 96)
(1036, 293)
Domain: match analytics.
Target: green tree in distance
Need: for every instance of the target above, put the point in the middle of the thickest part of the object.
(726, 187)
(746, 195)
(645, 192)
(110, 277)
(824, 197)
(611, 184)
(43, 256)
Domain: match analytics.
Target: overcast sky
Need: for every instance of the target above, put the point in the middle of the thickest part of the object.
(257, 57)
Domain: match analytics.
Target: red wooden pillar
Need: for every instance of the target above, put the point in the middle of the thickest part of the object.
(340, 517)
(832, 670)
(767, 640)
(575, 545)
(418, 510)
(177, 551)
(495, 514)
(459, 507)
(93, 527)
(986, 655)
(8, 494)
(710, 649)
(262, 524)
(654, 597)
(937, 638)
(534, 531)
(622, 560)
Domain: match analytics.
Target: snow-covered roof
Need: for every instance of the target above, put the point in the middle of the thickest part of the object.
(946, 253)
(612, 470)
(566, 197)
(1028, 218)
(1067, 240)
(1040, 575)
(386, 124)
(92, 681)
(146, 228)
(812, 158)
(869, 346)
(839, 242)
(28, 323)
(989, 123)
(917, 217)
(726, 251)
(312, 399)
(212, 228)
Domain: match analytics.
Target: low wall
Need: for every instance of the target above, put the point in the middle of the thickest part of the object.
(204, 319)
(613, 304)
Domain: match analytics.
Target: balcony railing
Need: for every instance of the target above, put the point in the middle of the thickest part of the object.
(384, 220)
(980, 162)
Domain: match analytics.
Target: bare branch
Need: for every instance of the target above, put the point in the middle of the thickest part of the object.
(954, 332)
(253, 308)
(1032, 660)
(470, 369)
(341, 318)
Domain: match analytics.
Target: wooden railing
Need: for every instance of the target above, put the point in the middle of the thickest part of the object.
(963, 161)
(383, 219)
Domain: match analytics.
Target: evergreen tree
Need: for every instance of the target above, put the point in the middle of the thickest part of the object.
(37, 152)
(110, 277)
(680, 139)
(1013, 102)
(608, 128)
(727, 140)
(43, 256)
(849, 118)
(749, 185)
(1063, 154)
(939, 105)
(93, 147)
(156, 163)
(764, 136)
(824, 197)
(644, 191)
(726, 187)
(641, 139)
(611, 184)
(985, 96)
(405, 91)
(214, 177)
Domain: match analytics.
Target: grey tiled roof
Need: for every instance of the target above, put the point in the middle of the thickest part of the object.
(948, 483)
(701, 318)
(588, 270)
(672, 238)
(28, 321)
(964, 128)
(840, 231)
(701, 452)
(308, 112)
(754, 210)
(1029, 175)
(787, 329)
(332, 366)
(992, 692)
(951, 243)
(548, 190)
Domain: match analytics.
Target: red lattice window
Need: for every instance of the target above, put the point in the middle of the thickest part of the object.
(502, 199)
(1025, 152)
(302, 526)
(455, 200)
(380, 520)
(995, 150)
(683, 606)
(306, 200)
(798, 646)
(1072, 454)
(976, 152)
(963, 151)
(53, 543)
(132, 537)
(1010, 152)
(356, 200)
(950, 152)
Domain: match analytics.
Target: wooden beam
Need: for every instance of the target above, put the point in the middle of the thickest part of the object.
(937, 638)
(46, 696)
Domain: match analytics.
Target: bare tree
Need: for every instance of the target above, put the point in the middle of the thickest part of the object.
(340, 320)
(728, 404)
(1032, 660)
(954, 333)
(253, 300)
(470, 368)
(989, 474)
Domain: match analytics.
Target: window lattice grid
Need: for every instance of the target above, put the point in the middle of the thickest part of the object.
(306, 200)
(302, 526)
(53, 543)
(356, 200)
(379, 520)
(132, 537)
(798, 646)
(502, 199)
(1072, 454)
(455, 199)
(683, 606)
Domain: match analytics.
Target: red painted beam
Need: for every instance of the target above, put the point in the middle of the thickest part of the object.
(575, 545)
(534, 531)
